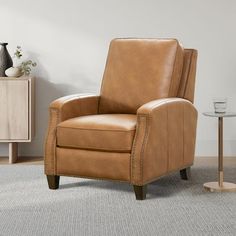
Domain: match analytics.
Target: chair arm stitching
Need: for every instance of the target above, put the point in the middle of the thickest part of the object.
(142, 148)
(183, 132)
(47, 153)
(144, 144)
(52, 146)
(58, 117)
(168, 151)
(134, 147)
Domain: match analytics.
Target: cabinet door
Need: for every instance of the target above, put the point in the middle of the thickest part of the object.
(14, 103)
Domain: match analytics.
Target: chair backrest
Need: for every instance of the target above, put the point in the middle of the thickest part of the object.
(141, 70)
(187, 82)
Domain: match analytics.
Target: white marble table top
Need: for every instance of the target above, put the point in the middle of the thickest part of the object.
(223, 114)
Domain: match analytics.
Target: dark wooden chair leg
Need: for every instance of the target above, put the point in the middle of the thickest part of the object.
(53, 181)
(140, 192)
(185, 173)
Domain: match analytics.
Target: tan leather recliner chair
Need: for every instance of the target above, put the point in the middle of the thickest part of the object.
(142, 125)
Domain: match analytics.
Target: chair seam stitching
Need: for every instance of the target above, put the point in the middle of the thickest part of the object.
(171, 82)
(87, 147)
(190, 66)
(61, 127)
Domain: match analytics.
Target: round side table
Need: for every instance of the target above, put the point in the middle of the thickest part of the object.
(220, 186)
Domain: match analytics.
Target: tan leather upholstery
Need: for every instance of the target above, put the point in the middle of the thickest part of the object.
(129, 81)
(164, 140)
(93, 164)
(187, 83)
(142, 126)
(61, 109)
(109, 132)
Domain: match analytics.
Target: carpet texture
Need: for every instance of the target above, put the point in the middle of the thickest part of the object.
(90, 207)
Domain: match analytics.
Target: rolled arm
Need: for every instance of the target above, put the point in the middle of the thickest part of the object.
(164, 139)
(62, 109)
(75, 105)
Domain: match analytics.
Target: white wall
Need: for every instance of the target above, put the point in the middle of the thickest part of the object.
(69, 40)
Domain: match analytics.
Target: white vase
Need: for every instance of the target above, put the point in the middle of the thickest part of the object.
(13, 72)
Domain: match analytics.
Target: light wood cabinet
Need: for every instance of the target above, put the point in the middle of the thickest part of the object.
(16, 112)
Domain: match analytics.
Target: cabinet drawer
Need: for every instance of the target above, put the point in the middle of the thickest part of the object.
(14, 109)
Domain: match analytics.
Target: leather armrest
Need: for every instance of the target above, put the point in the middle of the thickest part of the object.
(164, 139)
(62, 109)
(75, 105)
(150, 107)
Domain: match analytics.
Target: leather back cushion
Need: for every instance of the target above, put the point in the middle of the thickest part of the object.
(138, 71)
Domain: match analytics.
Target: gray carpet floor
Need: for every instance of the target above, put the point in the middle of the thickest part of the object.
(90, 207)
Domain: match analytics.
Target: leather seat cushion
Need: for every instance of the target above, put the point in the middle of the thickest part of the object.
(107, 132)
